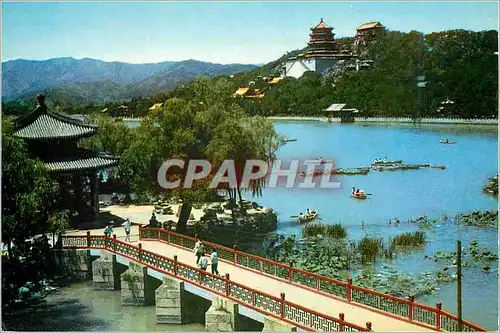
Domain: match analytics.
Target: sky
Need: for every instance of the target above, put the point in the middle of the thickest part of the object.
(221, 32)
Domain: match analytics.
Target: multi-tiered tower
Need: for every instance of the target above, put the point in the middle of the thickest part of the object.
(321, 53)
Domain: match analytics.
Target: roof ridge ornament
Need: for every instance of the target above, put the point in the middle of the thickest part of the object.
(41, 99)
(41, 103)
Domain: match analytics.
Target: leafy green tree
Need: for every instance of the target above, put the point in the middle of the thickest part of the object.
(27, 193)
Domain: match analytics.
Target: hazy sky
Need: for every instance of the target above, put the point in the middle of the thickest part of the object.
(225, 32)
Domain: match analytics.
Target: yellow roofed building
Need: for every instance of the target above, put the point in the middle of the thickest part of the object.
(156, 106)
(322, 53)
(367, 32)
(248, 92)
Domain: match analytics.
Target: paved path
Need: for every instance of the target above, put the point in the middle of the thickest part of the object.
(295, 294)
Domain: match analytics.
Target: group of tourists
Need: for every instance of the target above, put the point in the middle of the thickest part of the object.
(199, 248)
(127, 226)
(202, 260)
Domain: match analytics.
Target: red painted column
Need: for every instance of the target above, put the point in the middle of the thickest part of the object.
(410, 308)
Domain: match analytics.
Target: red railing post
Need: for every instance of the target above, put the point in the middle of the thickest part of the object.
(175, 264)
(88, 238)
(438, 315)
(410, 308)
(290, 272)
(282, 306)
(260, 266)
(369, 325)
(341, 317)
(235, 255)
(168, 236)
(158, 236)
(228, 287)
(114, 242)
(140, 252)
(140, 227)
(349, 289)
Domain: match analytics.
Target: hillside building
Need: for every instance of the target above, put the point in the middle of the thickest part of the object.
(322, 53)
(367, 32)
(249, 92)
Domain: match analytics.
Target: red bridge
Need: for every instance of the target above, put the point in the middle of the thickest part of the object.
(306, 300)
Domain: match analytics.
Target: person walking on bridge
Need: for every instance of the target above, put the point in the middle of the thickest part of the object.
(198, 250)
(127, 226)
(203, 262)
(214, 261)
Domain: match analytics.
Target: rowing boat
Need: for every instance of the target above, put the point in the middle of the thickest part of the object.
(447, 142)
(304, 218)
(359, 196)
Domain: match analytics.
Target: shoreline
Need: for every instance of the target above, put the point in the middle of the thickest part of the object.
(396, 120)
(376, 120)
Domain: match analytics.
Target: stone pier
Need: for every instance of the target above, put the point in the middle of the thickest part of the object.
(224, 316)
(106, 272)
(272, 324)
(137, 287)
(175, 305)
(75, 262)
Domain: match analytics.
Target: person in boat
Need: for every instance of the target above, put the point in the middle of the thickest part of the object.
(353, 190)
(308, 212)
(357, 191)
(385, 159)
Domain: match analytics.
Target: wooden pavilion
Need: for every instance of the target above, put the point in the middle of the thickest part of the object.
(53, 138)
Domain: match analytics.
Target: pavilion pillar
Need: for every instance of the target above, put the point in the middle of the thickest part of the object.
(94, 181)
(77, 185)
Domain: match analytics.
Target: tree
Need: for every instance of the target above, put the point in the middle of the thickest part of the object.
(27, 192)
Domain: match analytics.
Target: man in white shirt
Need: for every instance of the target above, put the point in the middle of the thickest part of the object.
(127, 225)
(214, 258)
(198, 250)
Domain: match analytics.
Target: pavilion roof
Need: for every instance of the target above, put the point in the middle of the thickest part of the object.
(43, 123)
(336, 107)
(321, 25)
(370, 25)
(84, 160)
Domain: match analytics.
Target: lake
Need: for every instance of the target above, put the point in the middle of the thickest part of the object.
(403, 194)
(78, 307)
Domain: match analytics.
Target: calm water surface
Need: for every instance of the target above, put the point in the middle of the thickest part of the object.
(80, 308)
(403, 194)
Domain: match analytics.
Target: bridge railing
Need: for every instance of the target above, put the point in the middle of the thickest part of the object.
(406, 309)
(277, 307)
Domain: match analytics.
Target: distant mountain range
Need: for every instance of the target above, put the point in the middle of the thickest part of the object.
(69, 79)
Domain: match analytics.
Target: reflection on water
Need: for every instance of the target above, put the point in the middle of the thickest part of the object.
(80, 308)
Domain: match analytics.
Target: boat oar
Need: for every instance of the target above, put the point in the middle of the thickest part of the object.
(294, 216)
(368, 193)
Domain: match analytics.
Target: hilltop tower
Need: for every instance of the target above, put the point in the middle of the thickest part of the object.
(321, 53)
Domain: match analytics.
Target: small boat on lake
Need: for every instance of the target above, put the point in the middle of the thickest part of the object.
(290, 140)
(361, 195)
(308, 217)
(447, 142)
